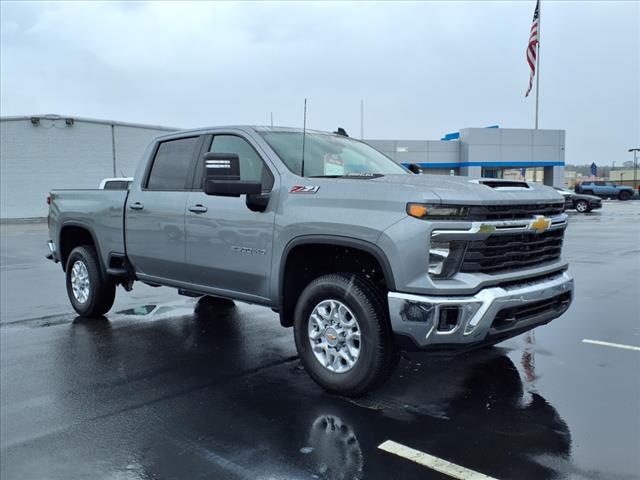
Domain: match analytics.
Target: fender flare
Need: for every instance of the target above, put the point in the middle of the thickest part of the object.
(96, 244)
(338, 240)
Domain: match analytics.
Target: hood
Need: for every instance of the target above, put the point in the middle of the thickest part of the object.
(471, 190)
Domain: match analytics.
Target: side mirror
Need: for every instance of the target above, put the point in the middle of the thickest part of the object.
(222, 176)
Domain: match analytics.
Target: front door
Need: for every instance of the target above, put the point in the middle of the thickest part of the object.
(155, 213)
(229, 247)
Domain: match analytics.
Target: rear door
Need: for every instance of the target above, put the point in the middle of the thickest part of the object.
(229, 247)
(155, 212)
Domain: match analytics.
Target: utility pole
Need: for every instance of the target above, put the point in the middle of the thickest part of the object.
(272, 119)
(635, 167)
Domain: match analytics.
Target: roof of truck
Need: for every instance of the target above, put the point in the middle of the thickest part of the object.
(256, 128)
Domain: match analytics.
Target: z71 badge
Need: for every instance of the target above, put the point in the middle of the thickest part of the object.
(304, 189)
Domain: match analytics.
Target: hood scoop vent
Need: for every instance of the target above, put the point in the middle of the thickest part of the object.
(504, 184)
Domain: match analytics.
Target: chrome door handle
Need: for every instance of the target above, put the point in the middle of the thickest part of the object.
(136, 206)
(197, 208)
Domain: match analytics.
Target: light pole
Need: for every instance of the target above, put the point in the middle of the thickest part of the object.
(635, 167)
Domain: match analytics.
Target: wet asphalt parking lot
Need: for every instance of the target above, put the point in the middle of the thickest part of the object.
(169, 387)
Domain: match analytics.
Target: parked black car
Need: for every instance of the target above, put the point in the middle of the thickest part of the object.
(579, 202)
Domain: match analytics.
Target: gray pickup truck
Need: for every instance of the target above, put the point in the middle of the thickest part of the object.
(360, 256)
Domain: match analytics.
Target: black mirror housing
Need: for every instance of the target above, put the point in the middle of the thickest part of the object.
(221, 166)
(222, 176)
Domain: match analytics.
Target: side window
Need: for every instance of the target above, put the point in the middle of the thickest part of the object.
(171, 164)
(252, 168)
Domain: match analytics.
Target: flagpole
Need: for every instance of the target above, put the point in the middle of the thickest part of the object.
(538, 60)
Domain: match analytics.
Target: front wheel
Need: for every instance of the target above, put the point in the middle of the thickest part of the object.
(343, 334)
(582, 206)
(90, 293)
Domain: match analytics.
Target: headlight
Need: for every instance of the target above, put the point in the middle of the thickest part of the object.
(445, 258)
(437, 212)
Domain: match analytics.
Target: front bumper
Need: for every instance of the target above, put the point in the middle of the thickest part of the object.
(488, 317)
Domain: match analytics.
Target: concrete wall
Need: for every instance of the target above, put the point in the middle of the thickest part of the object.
(37, 159)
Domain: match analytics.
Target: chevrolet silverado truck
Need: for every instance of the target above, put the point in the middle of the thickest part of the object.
(360, 256)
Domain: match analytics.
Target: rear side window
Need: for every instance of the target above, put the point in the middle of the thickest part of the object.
(171, 164)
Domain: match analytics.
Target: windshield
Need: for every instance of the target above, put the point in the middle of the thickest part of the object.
(329, 155)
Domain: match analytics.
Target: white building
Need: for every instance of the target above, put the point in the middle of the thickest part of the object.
(41, 152)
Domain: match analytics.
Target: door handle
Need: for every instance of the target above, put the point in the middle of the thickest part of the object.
(136, 206)
(197, 208)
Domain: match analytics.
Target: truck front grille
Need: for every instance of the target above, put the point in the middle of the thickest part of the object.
(514, 212)
(516, 251)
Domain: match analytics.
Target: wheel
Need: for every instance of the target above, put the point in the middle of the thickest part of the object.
(624, 195)
(90, 294)
(343, 334)
(582, 206)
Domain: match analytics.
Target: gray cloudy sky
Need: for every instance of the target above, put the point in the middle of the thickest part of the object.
(422, 68)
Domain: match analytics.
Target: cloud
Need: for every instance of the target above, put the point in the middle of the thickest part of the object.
(422, 68)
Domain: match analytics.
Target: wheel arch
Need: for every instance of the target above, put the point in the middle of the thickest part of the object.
(362, 250)
(74, 234)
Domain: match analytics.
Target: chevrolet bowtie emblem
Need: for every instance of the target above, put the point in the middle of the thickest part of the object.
(540, 224)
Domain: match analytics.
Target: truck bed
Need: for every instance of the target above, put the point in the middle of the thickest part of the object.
(100, 211)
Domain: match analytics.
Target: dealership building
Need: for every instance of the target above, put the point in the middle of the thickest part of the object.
(42, 152)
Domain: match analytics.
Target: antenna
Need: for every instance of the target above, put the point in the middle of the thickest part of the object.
(304, 134)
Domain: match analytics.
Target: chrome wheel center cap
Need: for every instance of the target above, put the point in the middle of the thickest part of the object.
(331, 335)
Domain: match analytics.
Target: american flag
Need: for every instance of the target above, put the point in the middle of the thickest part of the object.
(532, 48)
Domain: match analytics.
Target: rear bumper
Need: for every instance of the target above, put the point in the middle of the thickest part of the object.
(490, 316)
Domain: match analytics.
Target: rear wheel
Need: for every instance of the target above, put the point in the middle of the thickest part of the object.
(343, 335)
(624, 195)
(90, 293)
(582, 206)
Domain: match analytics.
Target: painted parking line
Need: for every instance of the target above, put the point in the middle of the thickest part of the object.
(434, 463)
(609, 344)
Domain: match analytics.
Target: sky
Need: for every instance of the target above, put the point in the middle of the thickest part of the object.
(422, 69)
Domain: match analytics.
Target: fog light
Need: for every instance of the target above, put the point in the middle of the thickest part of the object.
(448, 319)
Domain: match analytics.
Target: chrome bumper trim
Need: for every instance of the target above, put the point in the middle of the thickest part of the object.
(496, 227)
(481, 308)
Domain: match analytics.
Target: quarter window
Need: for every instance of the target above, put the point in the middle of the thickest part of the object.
(171, 164)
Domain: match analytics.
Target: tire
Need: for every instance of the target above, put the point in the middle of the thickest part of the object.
(582, 206)
(354, 298)
(100, 293)
(624, 195)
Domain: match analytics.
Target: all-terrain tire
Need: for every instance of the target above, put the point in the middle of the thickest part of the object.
(378, 353)
(94, 294)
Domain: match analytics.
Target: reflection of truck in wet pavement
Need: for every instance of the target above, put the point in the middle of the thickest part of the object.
(359, 255)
